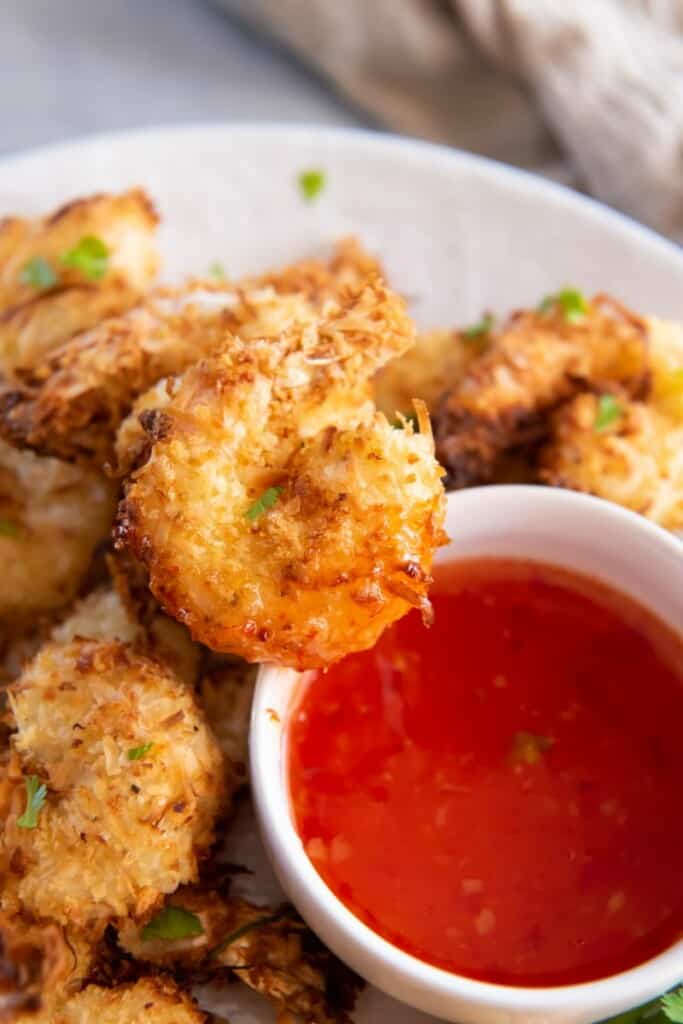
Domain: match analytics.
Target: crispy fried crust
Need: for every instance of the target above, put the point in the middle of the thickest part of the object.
(225, 693)
(637, 461)
(52, 517)
(116, 833)
(347, 547)
(435, 364)
(270, 949)
(40, 964)
(34, 321)
(71, 404)
(538, 360)
(152, 1000)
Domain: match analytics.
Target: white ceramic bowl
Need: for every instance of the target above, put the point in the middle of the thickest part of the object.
(553, 526)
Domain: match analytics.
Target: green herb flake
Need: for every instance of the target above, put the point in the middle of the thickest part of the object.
(571, 301)
(8, 528)
(250, 926)
(38, 273)
(672, 1005)
(311, 184)
(608, 410)
(217, 271)
(484, 326)
(35, 798)
(172, 923)
(529, 748)
(404, 419)
(262, 504)
(90, 256)
(135, 753)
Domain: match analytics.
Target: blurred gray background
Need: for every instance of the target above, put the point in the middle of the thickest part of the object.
(74, 67)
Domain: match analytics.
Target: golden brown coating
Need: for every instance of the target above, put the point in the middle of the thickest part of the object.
(71, 403)
(52, 517)
(344, 544)
(539, 359)
(436, 363)
(157, 1000)
(34, 319)
(134, 784)
(635, 461)
(41, 964)
(269, 949)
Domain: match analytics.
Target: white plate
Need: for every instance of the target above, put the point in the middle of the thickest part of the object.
(458, 234)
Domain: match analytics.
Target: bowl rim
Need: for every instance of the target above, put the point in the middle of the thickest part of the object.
(641, 983)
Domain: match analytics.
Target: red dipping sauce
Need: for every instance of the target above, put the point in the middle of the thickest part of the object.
(502, 795)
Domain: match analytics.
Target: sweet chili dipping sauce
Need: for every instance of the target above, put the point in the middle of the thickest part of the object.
(502, 795)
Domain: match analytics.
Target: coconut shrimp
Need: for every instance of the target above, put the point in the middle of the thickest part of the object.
(52, 518)
(536, 361)
(111, 788)
(279, 516)
(71, 404)
(629, 452)
(63, 273)
(269, 949)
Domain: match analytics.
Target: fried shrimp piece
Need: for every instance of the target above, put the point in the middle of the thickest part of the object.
(134, 782)
(71, 403)
(157, 1000)
(539, 359)
(435, 364)
(635, 461)
(268, 531)
(40, 964)
(52, 517)
(269, 949)
(47, 295)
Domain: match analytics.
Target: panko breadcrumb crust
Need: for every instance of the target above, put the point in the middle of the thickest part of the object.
(537, 360)
(33, 321)
(116, 833)
(347, 547)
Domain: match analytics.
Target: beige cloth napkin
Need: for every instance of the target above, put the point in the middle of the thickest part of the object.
(589, 92)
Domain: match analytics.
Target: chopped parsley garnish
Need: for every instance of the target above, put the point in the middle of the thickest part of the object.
(90, 256)
(217, 271)
(8, 528)
(311, 184)
(244, 929)
(571, 301)
(38, 273)
(672, 1005)
(404, 419)
(608, 410)
(262, 504)
(135, 753)
(529, 748)
(484, 326)
(35, 798)
(659, 1011)
(172, 923)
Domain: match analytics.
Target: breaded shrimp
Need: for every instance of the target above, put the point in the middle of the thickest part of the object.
(157, 1000)
(44, 298)
(635, 461)
(134, 782)
(71, 404)
(279, 517)
(41, 964)
(435, 364)
(318, 280)
(225, 694)
(538, 360)
(269, 949)
(103, 615)
(52, 517)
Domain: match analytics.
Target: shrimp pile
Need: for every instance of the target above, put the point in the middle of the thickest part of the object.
(194, 478)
